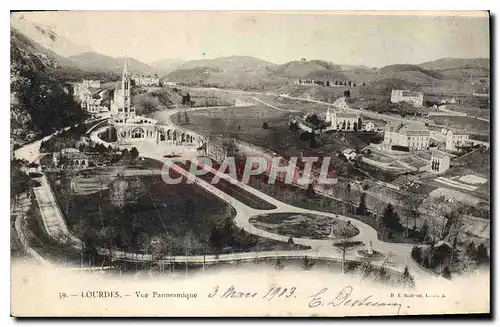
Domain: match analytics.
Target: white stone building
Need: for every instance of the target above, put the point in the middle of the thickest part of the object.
(413, 136)
(339, 119)
(92, 83)
(146, 80)
(414, 98)
(448, 101)
(440, 162)
(89, 97)
(457, 139)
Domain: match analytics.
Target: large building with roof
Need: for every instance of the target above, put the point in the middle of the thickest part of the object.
(414, 98)
(89, 95)
(414, 136)
(146, 80)
(440, 162)
(456, 139)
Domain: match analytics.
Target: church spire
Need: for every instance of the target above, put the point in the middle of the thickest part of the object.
(125, 68)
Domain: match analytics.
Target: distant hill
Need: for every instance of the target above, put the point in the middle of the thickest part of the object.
(242, 72)
(166, 65)
(46, 36)
(457, 63)
(407, 68)
(94, 61)
(315, 69)
(228, 64)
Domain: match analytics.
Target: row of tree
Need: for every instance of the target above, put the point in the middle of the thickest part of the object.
(328, 83)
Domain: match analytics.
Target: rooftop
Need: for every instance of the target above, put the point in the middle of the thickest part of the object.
(439, 155)
(408, 129)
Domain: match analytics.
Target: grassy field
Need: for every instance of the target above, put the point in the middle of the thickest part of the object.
(245, 124)
(236, 192)
(304, 226)
(469, 124)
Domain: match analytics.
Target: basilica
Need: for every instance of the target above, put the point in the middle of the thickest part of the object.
(131, 127)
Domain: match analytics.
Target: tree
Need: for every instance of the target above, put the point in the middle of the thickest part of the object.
(186, 99)
(305, 136)
(425, 230)
(363, 84)
(312, 142)
(186, 118)
(117, 193)
(265, 125)
(347, 94)
(313, 119)
(414, 200)
(126, 155)
(361, 209)
(471, 251)
(390, 219)
(446, 273)
(327, 83)
(407, 279)
(310, 193)
(293, 126)
(482, 256)
(353, 84)
(134, 153)
(135, 188)
(416, 253)
(344, 232)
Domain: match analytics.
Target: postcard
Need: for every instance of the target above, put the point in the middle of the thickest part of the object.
(249, 163)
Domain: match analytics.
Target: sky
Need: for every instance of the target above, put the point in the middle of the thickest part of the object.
(357, 39)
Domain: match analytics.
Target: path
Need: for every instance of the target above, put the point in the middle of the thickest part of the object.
(21, 207)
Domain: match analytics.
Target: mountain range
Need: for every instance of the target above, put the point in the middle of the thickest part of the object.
(247, 72)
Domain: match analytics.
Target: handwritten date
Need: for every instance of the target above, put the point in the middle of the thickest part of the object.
(272, 293)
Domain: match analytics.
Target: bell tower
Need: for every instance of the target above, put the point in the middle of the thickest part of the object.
(128, 111)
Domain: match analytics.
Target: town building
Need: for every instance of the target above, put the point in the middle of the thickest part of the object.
(440, 162)
(146, 80)
(456, 139)
(448, 101)
(90, 96)
(369, 126)
(414, 136)
(92, 83)
(414, 98)
(71, 157)
(350, 154)
(339, 119)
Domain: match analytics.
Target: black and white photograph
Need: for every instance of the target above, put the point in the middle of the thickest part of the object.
(232, 163)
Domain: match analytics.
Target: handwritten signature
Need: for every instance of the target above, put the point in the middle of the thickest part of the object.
(345, 298)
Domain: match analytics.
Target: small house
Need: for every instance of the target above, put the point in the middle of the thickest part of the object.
(440, 162)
